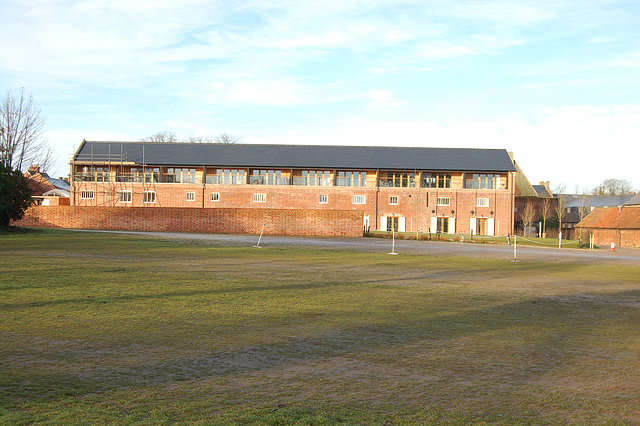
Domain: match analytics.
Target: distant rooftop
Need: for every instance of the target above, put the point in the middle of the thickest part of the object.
(597, 200)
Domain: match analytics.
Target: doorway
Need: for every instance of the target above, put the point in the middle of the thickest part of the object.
(443, 225)
(482, 226)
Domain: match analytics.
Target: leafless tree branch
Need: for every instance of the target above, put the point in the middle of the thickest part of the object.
(22, 139)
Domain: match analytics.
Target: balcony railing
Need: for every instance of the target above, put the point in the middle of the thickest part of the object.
(269, 180)
(135, 178)
(312, 181)
(226, 180)
(397, 183)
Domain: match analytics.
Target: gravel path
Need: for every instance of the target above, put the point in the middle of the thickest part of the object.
(411, 247)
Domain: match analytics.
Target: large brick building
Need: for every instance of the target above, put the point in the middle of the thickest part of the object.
(406, 189)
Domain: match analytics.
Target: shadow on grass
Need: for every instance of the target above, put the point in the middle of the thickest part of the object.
(551, 332)
(137, 297)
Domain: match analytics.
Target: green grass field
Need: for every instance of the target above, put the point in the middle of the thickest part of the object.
(105, 328)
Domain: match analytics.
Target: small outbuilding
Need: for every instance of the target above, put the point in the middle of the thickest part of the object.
(619, 225)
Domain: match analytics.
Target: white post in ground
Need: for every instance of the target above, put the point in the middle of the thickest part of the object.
(260, 238)
(515, 248)
(560, 240)
(393, 243)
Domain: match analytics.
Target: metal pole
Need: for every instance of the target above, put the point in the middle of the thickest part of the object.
(515, 248)
(393, 244)
(260, 238)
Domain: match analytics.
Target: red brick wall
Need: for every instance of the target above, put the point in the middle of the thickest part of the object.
(177, 219)
(621, 237)
(416, 205)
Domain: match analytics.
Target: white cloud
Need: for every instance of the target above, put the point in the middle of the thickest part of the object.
(264, 93)
(382, 98)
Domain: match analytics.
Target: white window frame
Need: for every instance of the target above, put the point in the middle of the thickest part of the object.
(393, 200)
(443, 201)
(323, 198)
(148, 197)
(125, 196)
(215, 196)
(259, 197)
(482, 202)
(191, 196)
(359, 199)
(87, 194)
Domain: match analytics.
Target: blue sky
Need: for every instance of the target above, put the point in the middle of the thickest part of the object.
(555, 82)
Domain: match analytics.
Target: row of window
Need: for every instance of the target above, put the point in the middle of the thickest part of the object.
(276, 177)
(446, 201)
(150, 197)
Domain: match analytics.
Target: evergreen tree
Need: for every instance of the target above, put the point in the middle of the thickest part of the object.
(15, 195)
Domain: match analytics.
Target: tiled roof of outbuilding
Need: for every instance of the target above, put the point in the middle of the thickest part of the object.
(612, 218)
(297, 156)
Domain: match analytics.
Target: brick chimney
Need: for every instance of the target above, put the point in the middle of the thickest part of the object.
(35, 168)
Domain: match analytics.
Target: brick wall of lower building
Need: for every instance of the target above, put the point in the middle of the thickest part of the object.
(621, 237)
(334, 223)
(417, 206)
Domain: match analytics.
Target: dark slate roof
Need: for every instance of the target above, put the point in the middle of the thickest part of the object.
(41, 183)
(297, 156)
(596, 200)
(542, 191)
(635, 201)
(60, 184)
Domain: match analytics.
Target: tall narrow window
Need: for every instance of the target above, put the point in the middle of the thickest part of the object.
(148, 197)
(429, 180)
(444, 180)
(125, 196)
(347, 178)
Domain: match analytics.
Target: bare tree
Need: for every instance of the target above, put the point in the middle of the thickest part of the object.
(170, 137)
(527, 215)
(584, 210)
(200, 139)
(161, 137)
(561, 205)
(227, 138)
(614, 187)
(22, 139)
(546, 211)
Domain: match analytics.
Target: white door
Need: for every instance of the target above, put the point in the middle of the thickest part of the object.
(401, 224)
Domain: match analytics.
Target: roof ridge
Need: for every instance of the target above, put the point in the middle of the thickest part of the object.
(297, 145)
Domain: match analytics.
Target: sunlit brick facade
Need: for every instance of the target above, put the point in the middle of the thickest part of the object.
(406, 189)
